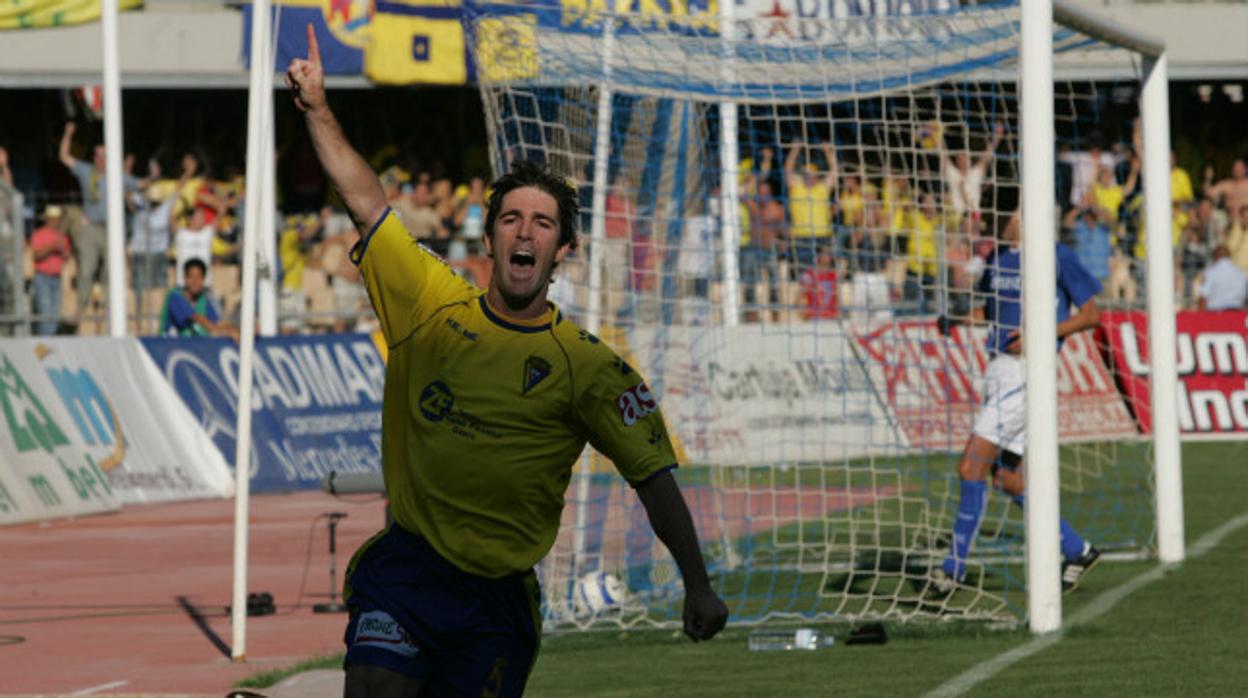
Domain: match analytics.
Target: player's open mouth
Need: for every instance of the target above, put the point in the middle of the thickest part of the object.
(521, 258)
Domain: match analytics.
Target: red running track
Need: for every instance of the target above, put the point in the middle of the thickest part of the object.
(94, 602)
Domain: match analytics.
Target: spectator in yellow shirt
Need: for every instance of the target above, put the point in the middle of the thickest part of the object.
(1108, 194)
(921, 253)
(292, 251)
(810, 204)
(1180, 183)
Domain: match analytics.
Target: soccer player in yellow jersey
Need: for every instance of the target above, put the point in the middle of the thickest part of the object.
(490, 397)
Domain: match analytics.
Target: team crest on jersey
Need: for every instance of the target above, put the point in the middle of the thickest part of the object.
(535, 371)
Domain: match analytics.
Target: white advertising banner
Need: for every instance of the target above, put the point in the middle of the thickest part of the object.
(751, 395)
(121, 417)
(46, 471)
(932, 384)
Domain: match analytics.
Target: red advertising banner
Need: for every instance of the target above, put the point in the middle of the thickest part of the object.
(1212, 365)
(932, 384)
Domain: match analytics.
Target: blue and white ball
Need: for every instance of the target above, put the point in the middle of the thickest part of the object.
(596, 593)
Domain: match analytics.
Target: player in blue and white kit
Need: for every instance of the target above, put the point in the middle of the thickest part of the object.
(998, 438)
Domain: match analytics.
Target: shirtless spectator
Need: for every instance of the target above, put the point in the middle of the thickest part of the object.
(350, 298)
(964, 181)
(766, 240)
(423, 223)
(1084, 165)
(1231, 193)
(1237, 239)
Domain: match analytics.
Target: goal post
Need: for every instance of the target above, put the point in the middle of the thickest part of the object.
(774, 213)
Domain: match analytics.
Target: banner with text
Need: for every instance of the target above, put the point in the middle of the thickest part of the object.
(46, 470)
(752, 395)
(1212, 366)
(932, 384)
(316, 402)
(143, 437)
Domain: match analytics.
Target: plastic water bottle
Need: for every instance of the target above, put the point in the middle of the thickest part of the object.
(797, 639)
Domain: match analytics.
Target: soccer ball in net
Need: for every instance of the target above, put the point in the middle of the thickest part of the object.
(596, 593)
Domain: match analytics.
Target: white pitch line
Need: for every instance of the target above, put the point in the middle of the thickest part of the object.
(1099, 606)
(101, 687)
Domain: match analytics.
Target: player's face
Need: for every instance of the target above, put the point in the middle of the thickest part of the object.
(525, 246)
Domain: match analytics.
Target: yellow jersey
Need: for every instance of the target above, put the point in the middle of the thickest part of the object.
(484, 415)
(1108, 198)
(1181, 186)
(852, 207)
(921, 247)
(290, 253)
(810, 209)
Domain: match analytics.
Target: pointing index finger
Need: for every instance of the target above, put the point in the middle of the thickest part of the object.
(314, 51)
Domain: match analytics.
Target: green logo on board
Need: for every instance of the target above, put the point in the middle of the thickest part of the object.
(28, 421)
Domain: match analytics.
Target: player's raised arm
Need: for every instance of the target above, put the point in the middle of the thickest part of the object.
(355, 181)
(705, 614)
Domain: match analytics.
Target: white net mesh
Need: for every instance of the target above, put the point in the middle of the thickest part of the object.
(820, 429)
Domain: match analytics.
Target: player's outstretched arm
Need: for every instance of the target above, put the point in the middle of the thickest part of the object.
(705, 614)
(355, 181)
(1087, 317)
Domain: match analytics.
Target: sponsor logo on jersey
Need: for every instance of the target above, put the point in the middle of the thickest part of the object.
(535, 371)
(586, 336)
(1007, 282)
(635, 403)
(378, 629)
(622, 366)
(437, 404)
(436, 401)
(461, 330)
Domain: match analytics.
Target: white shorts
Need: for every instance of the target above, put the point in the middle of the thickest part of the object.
(1002, 416)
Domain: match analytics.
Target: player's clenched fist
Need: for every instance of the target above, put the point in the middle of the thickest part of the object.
(705, 615)
(306, 77)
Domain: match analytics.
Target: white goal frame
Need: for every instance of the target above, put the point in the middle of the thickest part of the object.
(1044, 599)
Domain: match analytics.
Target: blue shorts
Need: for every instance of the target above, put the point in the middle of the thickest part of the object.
(415, 613)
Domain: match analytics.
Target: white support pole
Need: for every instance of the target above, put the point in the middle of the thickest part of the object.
(1167, 465)
(1044, 600)
(267, 266)
(729, 186)
(602, 155)
(114, 150)
(597, 240)
(247, 328)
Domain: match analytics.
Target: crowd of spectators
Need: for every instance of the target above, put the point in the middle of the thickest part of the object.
(914, 239)
(822, 234)
(183, 234)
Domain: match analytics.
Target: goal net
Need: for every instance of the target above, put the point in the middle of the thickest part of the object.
(791, 339)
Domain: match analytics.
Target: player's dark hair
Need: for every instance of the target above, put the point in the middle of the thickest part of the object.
(527, 173)
(197, 263)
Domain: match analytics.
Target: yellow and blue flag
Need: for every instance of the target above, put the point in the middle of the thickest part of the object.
(41, 14)
(417, 41)
(342, 29)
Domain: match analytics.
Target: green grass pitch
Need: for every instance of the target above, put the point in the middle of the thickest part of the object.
(1182, 635)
